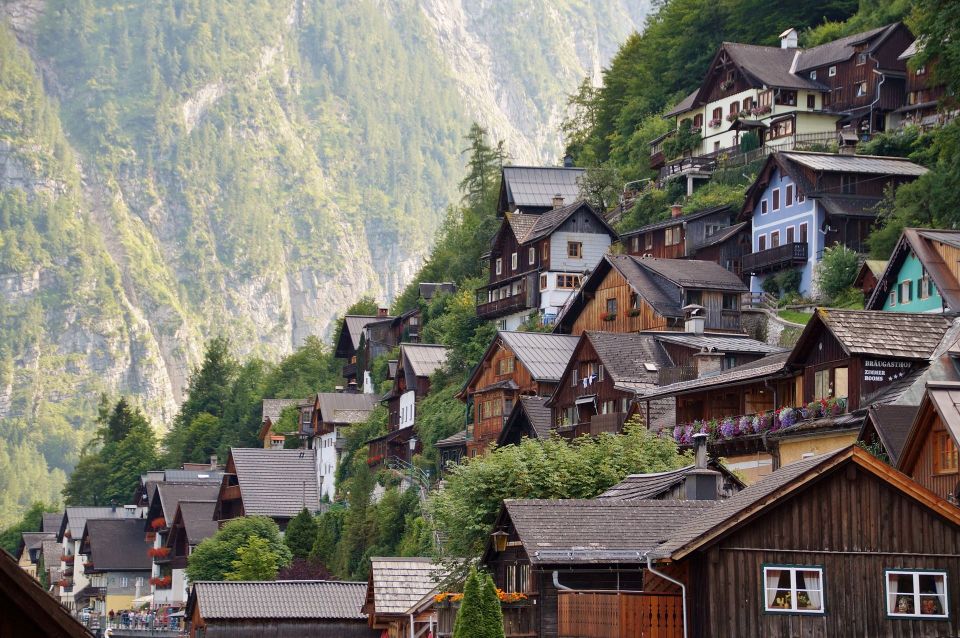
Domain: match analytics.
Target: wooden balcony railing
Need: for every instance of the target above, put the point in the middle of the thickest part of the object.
(502, 306)
(612, 614)
(611, 422)
(231, 493)
(519, 619)
(778, 258)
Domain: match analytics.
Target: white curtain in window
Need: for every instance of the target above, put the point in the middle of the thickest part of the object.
(892, 589)
(811, 582)
(773, 581)
(941, 585)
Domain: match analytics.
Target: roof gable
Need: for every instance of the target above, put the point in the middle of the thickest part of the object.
(922, 244)
(116, 544)
(349, 340)
(892, 424)
(534, 187)
(276, 483)
(398, 585)
(842, 49)
(653, 485)
(941, 401)
(681, 219)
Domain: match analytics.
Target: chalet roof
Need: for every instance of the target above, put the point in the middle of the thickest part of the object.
(694, 273)
(276, 483)
(345, 405)
(884, 334)
(660, 294)
(424, 359)
(625, 357)
(637, 487)
(747, 373)
(536, 186)
(673, 221)
(919, 243)
(553, 219)
(583, 531)
(198, 521)
(76, 517)
(892, 424)
(718, 342)
(841, 49)
(454, 440)
(849, 205)
(769, 66)
(397, 585)
(869, 164)
(521, 224)
(273, 407)
(683, 105)
(429, 289)
(116, 544)
(51, 522)
(170, 495)
(353, 326)
(722, 235)
(24, 596)
(278, 600)
(544, 355)
(538, 414)
(773, 488)
(34, 540)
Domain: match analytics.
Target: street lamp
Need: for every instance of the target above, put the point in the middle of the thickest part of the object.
(499, 540)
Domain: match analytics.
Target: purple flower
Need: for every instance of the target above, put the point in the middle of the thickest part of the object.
(745, 425)
(788, 417)
(757, 424)
(687, 434)
(728, 428)
(678, 433)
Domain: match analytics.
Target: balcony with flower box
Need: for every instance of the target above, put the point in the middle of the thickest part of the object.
(159, 554)
(519, 613)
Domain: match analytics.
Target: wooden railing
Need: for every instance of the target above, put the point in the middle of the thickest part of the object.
(519, 619)
(231, 493)
(611, 614)
(783, 256)
(502, 306)
(611, 422)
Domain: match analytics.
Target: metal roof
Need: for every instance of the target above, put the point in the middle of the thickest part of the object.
(279, 600)
(536, 186)
(277, 483)
(745, 373)
(719, 343)
(672, 221)
(544, 355)
(834, 162)
(424, 359)
(399, 584)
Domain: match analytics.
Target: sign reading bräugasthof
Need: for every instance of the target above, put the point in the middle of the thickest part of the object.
(878, 371)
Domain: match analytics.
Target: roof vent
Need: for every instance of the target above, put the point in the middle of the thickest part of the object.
(788, 39)
(557, 201)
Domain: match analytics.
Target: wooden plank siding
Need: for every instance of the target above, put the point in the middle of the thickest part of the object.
(739, 400)
(924, 468)
(585, 360)
(615, 286)
(851, 524)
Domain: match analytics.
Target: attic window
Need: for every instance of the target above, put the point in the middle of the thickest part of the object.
(650, 367)
(861, 59)
(813, 75)
(832, 71)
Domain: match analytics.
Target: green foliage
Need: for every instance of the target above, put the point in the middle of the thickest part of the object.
(214, 558)
(783, 284)
(683, 142)
(601, 186)
(465, 509)
(301, 534)
(255, 561)
(902, 142)
(479, 615)
(939, 22)
(837, 270)
(870, 14)
(31, 522)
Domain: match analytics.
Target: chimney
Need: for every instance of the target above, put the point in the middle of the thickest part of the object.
(708, 362)
(568, 161)
(383, 312)
(352, 386)
(701, 483)
(557, 201)
(676, 210)
(694, 318)
(213, 461)
(788, 39)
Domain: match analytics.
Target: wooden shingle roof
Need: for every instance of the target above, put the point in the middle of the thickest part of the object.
(276, 483)
(397, 585)
(636, 487)
(278, 600)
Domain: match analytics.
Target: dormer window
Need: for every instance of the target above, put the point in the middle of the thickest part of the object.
(832, 71)
(813, 75)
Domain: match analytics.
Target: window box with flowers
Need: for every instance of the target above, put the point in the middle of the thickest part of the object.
(634, 312)
(726, 85)
(733, 427)
(733, 117)
(715, 122)
(757, 111)
(68, 558)
(373, 460)
(161, 582)
(158, 552)
(158, 523)
(608, 316)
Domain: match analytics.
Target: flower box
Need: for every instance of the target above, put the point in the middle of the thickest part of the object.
(161, 582)
(158, 523)
(68, 558)
(608, 316)
(733, 117)
(714, 123)
(634, 312)
(158, 552)
(726, 85)
(373, 460)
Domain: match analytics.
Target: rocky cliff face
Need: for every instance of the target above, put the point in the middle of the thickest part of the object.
(242, 167)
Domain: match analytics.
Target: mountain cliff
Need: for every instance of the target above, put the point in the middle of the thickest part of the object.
(173, 171)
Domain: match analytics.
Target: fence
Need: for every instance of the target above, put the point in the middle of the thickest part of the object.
(619, 614)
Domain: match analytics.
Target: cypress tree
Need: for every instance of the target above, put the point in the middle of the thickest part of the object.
(301, 534)
(492, 613)
(470, 615)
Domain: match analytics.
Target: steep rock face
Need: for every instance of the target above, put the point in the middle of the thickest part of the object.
(241, 167)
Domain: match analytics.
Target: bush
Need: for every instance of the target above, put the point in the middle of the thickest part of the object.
(836, 271)
(790, 282)
(771, 286)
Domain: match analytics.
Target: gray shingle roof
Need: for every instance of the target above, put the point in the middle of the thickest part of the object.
(198, 520)
(277, 483)
(552, 219)
(683, 105)
(720, 343)
(544, 355)
(892, 423)
(672, 221)
(401, 583)
(769, 66)
(423, 359)
(170, 494)
(745, 373)
(273, 407)
(453, 440)
(116, 544)
(583, 531)
(871, 164)
(77, 517)
(281, 599)
(625, 355)
(51, 522)
(344, 402)
(836, 50)
(51, 551)
(535, 186)
(354, 324)
(538, 414)
(849, 206)
(651, 486)
(34, 540)
(722, 235)
(694, 273)
(429, 289)
(892, 334)
(663, 296)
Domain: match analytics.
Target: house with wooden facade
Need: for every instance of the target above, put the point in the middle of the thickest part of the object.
(273, 483)
(530, 418)
(885, 429)
(534, 190)
(922, 275)
(349, 346)
(399, 595)
(803, 202)
(451, 449)
(788, 97)
(192, 524)
(515, 364)
(924, 106)
(884, 561)
(536, 261)
(868, 274)
(632, 294)
(929, 455)
(271, 411)
(245, 609)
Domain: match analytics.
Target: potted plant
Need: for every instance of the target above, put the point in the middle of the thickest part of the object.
(634, 312)
(608, 316)
(726, 85)
(158, 523)
(715, 122)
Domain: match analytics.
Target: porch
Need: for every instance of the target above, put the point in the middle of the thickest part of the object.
(619, 614)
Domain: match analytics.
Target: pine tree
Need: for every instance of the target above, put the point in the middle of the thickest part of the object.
(470, 615)
(492, 613)
(301, 534)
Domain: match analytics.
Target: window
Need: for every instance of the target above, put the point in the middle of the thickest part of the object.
(730, 301)
(821, 384)
(698, 121)
(861, 59)
(545, 251)
(921, 70)
(945, 458)
(747, 103)
(505, 366)
(694, 297)
(600, 372)
(499, 266)
(780, 128)
(734, 107)
(514, 261)
(648, 241)
(543, 282)
(906, 290)
(568, 281)
(573, 377)
(788, 196)
(718, 113)
(531, 255)
(575, 249)
(800, 197)
(763, 206)
(813, 75)
(848, 184)
(841, 387)
(892, 301)
(634, 301)
(774, 239)
(766, 98)
(518, 576)
(635, 243)
(803, 229)
(612, 306)
(793, 589)
(916, 594)
(923, 286)
(790, 235)
(832, 71)
(671, 236)
(761, 242)
(861, 89)
(776, 199)
(811, 101)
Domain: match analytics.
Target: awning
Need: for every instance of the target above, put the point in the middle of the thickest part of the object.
(143, 600)
(590, 398)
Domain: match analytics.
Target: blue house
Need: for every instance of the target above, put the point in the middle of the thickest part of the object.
(921, 275)
(802, 202)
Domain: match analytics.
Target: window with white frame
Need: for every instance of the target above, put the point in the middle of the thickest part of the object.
(513, 261)
(832, 71)
(499, 265)
(763, 206)
(813, 75)
(916, 594)
(531, 255)
(776, 199)
(793, 589)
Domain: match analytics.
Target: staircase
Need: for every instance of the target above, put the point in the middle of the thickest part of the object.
(413, 475)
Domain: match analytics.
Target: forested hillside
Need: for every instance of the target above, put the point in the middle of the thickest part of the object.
(175, 171)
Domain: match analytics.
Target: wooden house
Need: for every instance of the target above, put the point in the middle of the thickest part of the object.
(273, 483)
(192, 523)
(534, 190)
(883, 563)
(922, 275)
(399, 595)
(27, 610)
(536, 261)
(530, 418)
(885, 430)
(927, 102)
(868, 274)
(117, 565)
(245, 609)
(803, 202)
(515, 364)
(271, 411)
(631, 294)
(451, 449)
(929, 455)
(330, 413)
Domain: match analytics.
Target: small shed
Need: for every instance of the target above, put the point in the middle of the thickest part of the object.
(242, 609)
(400, 594)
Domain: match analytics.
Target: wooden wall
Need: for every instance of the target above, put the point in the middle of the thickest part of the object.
(615, 286)
(659, 248)
(566, 394)
(736, 401)
(867, 526)
(922, 471)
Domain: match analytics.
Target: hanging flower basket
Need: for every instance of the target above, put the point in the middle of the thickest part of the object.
(158, 523)
(158, 552)
(608, 316)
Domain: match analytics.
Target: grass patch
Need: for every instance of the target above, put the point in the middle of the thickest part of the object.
(795, 316)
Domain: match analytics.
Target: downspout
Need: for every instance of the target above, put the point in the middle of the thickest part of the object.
(556, 582)
(683, 588)
(883, 78)
(411, 626)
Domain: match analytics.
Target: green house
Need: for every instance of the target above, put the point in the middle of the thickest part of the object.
(922, 274)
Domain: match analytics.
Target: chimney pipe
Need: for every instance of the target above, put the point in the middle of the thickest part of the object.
(700, 450)
(383, 312)
(213, 461)
(557, 201)
(676, 210)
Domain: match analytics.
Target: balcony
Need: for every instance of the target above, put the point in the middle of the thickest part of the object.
(501, 307)
(699, 165)
(616, 614)
(668, 376)
(611, 423)
(350, 371)
(774, 259)
(231, 493)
